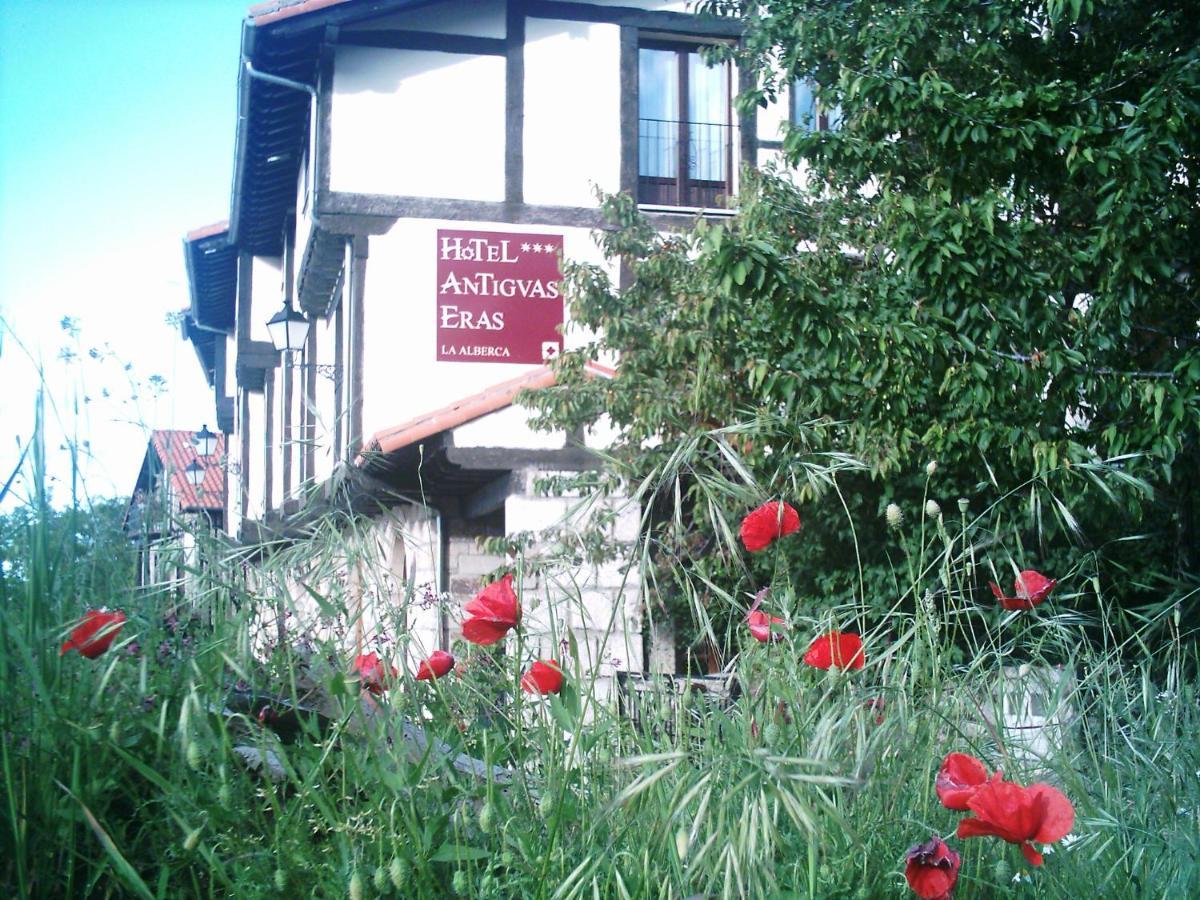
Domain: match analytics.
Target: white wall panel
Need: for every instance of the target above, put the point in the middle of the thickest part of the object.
(572, 111)
(480, 18)
(417, 123)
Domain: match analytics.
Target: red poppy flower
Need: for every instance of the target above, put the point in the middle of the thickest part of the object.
(932, 869)
(372, 672)
(836, 649)
(760, 626)
(958, 780)
(542, 678)
(1030, 587)
(493, 612)
(439, 663)
(95, 633)
(1019, 815)
(770, 521)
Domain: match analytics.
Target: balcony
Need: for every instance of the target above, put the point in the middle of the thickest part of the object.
(683, 163)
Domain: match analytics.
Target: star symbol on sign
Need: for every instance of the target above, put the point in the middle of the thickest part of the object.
(537, 248)
(524, 248)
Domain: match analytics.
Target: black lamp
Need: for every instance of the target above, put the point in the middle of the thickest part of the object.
(205, 441)
(288, 329)
(194, 473)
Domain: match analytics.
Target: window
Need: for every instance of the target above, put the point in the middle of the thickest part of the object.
(807, 113)
(685, 147)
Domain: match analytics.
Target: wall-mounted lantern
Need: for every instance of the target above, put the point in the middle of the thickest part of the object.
(288, 329)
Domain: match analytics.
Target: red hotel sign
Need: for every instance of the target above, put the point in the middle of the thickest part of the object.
(499, 296)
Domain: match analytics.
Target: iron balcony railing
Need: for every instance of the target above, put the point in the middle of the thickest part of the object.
(684, 163)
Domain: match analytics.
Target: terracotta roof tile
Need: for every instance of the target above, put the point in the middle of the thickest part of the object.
(176, 451)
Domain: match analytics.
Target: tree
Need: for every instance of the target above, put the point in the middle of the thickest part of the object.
(990, 264)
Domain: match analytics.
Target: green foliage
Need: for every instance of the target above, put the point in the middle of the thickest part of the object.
(991, 264)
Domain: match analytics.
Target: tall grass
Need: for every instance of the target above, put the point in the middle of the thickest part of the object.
(121, 775)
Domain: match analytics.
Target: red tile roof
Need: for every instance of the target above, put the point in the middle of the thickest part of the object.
(176, 451)
(467, 410)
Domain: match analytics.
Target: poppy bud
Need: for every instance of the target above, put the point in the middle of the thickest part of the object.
(487, 818)
(963, 505)
(192, 840)
(681, 844)
(225, 796)
(380, 879)
(459, 883)
(545, 806)
(931, 467)
(398, 873)
(932, 510)
(114, 732)
(895, 518)
(356, 887)
(507, 859)
(194, 755)
(280, 880)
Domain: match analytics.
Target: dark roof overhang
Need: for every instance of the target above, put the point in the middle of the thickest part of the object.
(282, 39)
(211, 262)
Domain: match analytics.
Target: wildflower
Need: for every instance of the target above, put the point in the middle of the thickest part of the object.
(192, 840)
(542, 678)
(356, 887)
(1030, 587)
(845, 651)
(932, 869)
(95, 633)
(932, 510)
(380, 879)
(493, 612)
(761, 626)
(372, 672)
(958, 780)
(439, 663)
(894, 516)
(770, 521)
(930, 468)
(1019, 815)
(194, 756)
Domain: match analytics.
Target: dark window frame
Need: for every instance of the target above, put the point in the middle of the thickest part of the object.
(681, 190)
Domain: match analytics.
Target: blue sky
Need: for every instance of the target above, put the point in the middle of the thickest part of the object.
(117, 138)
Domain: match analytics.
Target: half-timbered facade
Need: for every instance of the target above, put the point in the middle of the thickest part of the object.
(408, 174)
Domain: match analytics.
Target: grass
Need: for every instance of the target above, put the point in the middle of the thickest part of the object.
(121, 775)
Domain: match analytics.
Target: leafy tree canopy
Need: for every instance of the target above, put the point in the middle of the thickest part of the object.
(992, 263)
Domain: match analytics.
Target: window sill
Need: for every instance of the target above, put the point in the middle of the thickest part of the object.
(716, 212)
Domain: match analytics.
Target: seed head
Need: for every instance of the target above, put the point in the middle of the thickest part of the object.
(380, 879)
(932, 510)
(356, 887)
(931, 467)
(459, 883)
(963, 504)
(894, 516)
(193, 839)
(280, 880)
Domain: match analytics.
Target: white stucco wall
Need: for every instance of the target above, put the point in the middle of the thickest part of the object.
(572, 111)
(401, 376)
(252, 432)
(417, 123)
(507, 428)
(266, 280)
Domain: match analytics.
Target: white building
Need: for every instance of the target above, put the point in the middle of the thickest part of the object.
(408, 173)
